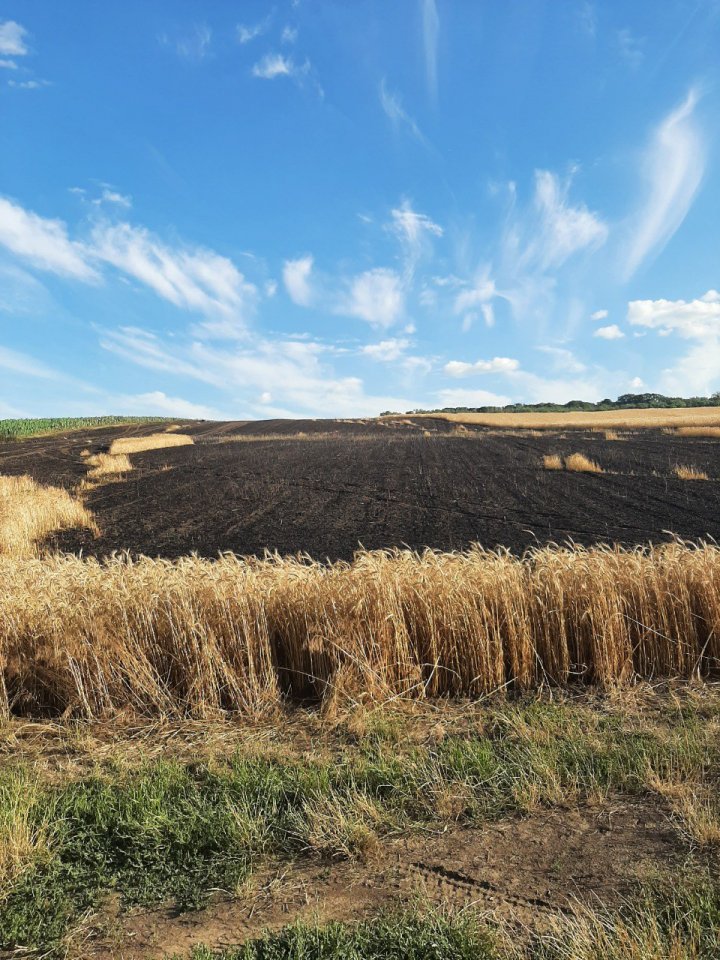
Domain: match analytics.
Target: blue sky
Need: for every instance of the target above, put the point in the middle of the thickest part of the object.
(332, 208)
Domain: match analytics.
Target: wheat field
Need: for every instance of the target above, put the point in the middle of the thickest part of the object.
(692, 421)
(194, 637)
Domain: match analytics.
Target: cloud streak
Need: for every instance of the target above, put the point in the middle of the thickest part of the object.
(673, 169)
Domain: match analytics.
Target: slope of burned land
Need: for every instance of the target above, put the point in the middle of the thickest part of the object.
(324, 487)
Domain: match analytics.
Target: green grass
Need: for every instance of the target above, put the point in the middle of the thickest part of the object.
(20, 429)
(171, 830)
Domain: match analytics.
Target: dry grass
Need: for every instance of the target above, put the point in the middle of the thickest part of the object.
(611, 435)
(681, 417)
(698, 431)
(22, 839)
(575, 462)
(30, 512)
(579, 463)
(195, 637)
(689, 473)
(153, 441)
(108, 464)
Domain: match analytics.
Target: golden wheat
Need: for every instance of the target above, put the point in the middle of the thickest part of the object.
(29, 512)
(107, 464)
(194, 637)
(153, 441)
(552, 462)
(689, 473)
(698, 431)
(682, 417)
(579, 463)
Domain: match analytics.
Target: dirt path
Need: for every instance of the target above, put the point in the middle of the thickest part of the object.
(525, 871)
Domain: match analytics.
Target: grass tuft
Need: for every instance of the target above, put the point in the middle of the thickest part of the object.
(689, 473)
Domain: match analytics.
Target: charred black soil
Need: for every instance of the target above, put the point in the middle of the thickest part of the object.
(325, 487)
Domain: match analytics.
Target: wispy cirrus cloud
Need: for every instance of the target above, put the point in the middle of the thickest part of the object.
(42, 242)
(246, 33)
(673, 169)
(431, 30)
(193, 45)
(392, 104)
(191, 278)
(274, 65)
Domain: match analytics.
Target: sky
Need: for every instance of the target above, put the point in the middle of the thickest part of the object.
(318, 208)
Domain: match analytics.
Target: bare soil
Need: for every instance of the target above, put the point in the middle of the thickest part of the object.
(524, 871)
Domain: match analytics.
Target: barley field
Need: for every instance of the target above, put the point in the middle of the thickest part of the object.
(696, 420)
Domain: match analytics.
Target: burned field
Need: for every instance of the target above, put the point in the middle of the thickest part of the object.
(325, 487)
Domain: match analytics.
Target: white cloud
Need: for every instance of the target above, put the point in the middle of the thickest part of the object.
(274, 65)
(631, 47)
(611, 332)
(431, 28)
(387, 350)
(481, 292)
(457, 397)
(412, 229)
(112, 196)
(459, 368)
(8, 65)
(563, 359)
(698, 371)
(45, 243)
(296, 277)
(24, 365)
(693, 319)
(247, 32)
(157, 403)
(193, 278)
(292, 371)
(265, 397)
(29, 84)
(394, 110)
(599, 315)
(375, 296)
(193, 46)
(637, 383)
(563, 229)
(12, 39)
(673, 169)
(289, 34)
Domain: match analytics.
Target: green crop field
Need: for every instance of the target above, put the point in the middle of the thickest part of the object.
(18, 429)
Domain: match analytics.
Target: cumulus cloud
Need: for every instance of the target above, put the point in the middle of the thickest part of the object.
(459, 368)
(296, 277)
(673, 169)
(375, 296)
(599, 315)
(44, 243)
(611, 332)
(12, 39)
(698, 321)
(387, 350)
(691, 319)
